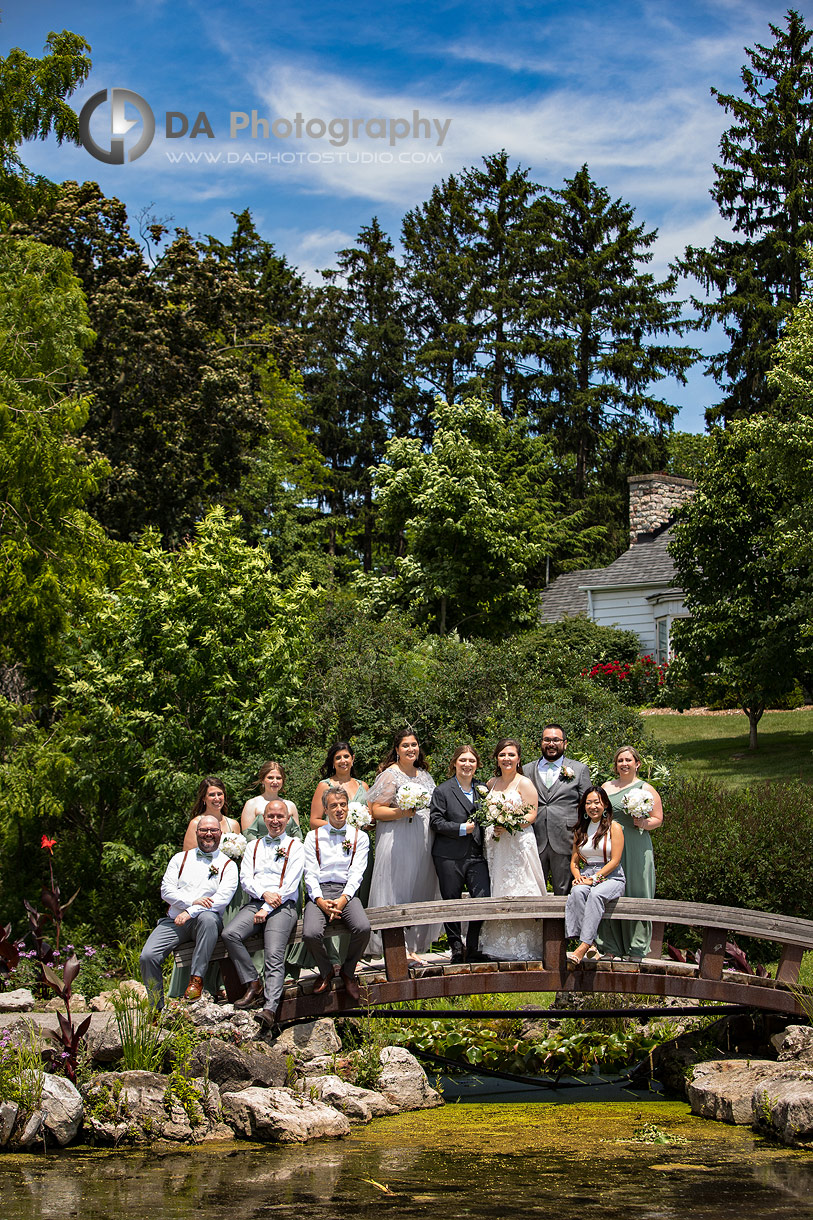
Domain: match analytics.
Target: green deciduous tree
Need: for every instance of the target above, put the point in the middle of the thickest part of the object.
(764, 189)
(48, 545)
(477, 515)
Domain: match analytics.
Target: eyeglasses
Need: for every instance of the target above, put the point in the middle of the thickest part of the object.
(552, 741)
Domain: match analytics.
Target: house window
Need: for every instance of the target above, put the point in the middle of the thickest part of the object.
(662, 639)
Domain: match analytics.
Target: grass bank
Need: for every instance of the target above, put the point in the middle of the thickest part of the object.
(716, 746)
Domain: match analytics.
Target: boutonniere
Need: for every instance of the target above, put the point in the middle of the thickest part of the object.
(212, 870)
(482, 790)
(567, 773)
(347, 846)
(279, 854)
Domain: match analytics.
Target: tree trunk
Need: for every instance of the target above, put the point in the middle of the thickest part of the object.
(442, 627)
(754, 715)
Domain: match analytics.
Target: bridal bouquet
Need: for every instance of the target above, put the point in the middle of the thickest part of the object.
(358, 815)
(504, 809)
(411, 797)
(638, 804)
(233, 845)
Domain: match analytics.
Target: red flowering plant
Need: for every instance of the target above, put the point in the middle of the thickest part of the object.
(638, 684)
(54, 912)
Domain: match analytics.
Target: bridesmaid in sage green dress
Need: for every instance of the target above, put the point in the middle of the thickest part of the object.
(621, 937)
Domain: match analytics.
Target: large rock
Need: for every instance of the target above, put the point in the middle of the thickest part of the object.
(21, 1000)
(137, 1108)
(104, 1042)
(359, 1105)
(32, 1131)
(783, 1106)
(223, 1019)
(281, 1116)
(233, 1068)
(312, 1040)
(795, 1042)
(724, 1088)
(62, 1107)
(403, 1081)
(78, 1004)
(9, 1112)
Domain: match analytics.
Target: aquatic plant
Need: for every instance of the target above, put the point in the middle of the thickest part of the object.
(70, 1036)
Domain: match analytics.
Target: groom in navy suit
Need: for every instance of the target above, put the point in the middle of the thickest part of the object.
(457, 850)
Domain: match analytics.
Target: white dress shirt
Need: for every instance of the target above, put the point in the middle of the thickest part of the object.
(336, 862)
(261, 869)
(551, 769)
(195, 881)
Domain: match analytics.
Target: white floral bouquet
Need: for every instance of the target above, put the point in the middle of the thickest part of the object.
(233, 845)
(411, 798)
(638, 804)
(358, 815)
(503, 809)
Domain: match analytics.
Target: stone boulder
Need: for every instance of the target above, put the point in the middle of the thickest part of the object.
(104, 1042)
(359, 1105)
(9, 1113)
(78, 1004)
(281, 1116)
(312, 1040)
(723, 1088)
(233, 1068)
(21, 1000)
(137, 1107)
(794, 1042)
(403, 1081)
(223, 1020)
(62, 1108)
(783, 1107)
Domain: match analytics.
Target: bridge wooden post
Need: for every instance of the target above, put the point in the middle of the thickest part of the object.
(788, 969)
(395, 958)
(656, 943)
(554, 945)
(712, 953)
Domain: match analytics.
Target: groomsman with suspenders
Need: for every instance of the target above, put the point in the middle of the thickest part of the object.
(335, 856)
(270, 875)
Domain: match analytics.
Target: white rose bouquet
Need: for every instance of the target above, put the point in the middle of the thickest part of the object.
(638, 804)
(358, 815)
(411, 797)
(503, 809)
(233, 845)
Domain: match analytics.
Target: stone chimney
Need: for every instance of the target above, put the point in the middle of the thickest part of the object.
(653, 501)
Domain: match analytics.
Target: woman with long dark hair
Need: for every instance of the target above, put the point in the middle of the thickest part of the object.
(598, 878)
(337, 771)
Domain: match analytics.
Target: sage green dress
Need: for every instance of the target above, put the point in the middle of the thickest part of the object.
(623, 937)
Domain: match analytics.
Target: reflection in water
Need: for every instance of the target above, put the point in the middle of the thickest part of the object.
(468, 1161)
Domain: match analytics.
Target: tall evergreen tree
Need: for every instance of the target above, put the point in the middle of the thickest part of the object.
(764, 189)
(600, 325)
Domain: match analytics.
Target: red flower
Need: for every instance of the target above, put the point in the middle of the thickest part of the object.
(48, 844)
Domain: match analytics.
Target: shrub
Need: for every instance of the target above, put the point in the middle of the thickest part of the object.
(640, 684)
(745, 848)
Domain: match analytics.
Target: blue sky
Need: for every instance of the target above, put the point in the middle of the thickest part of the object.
(620, 84)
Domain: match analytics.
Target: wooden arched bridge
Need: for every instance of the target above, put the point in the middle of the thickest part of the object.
(655, 976)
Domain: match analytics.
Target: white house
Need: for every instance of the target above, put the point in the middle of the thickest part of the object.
(637, 591)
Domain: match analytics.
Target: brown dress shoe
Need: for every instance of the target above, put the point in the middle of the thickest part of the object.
(268, 1020)
(195, 989)
(322, 985)
(253, 994)
(351, 986)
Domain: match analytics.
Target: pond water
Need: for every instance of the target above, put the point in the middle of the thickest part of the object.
(489, 1161)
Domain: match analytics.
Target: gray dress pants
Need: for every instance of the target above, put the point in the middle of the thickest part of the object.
(353, 920)
(276, 932)
(204, 929)
(585, 906)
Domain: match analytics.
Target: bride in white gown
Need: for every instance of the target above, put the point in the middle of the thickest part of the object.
(513, 864)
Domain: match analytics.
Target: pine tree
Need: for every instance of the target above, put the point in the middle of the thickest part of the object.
(764, 189)
(599, 323)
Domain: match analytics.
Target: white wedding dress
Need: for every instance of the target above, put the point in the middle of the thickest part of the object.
(515, 872)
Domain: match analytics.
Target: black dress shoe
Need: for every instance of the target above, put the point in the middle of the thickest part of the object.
(457, 959)
(477, 957)
(252, 996)
(268, 1020)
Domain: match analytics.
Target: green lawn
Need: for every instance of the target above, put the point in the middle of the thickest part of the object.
(717, 746)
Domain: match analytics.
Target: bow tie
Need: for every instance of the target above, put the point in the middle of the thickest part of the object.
(339, 833)
(267, 839)
(203, 855)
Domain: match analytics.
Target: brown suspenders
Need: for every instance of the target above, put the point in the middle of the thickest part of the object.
(285, 865)
(316, 846)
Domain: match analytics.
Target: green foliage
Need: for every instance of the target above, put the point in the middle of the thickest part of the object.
(685, 452)
(142, 1040)
(21, 1070)
(178, 673)
(764, 190)
(32, 107)
(745, 848)
(49, 547)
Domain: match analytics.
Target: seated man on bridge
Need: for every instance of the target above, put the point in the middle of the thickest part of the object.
(270, 875)
(334, 867)
(197, 886)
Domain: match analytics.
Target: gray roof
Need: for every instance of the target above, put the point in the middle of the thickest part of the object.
(563, 598)
(648, 562)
